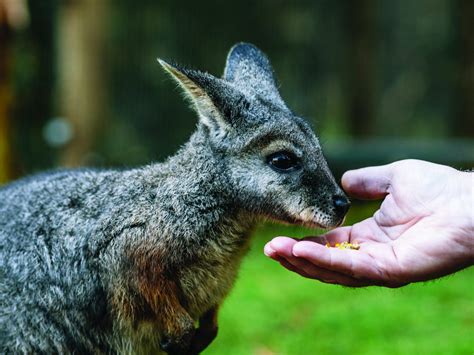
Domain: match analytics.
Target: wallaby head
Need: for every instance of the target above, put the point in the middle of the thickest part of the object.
(271, 157)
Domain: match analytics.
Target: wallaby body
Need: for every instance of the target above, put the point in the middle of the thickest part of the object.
(127, 261)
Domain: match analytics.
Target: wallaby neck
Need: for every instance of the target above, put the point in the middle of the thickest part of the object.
(198, 191)
(186, 201)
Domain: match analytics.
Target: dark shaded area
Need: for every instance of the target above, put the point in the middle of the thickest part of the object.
(34, 85)
(463, 123)
(360, 18)
(382, 72)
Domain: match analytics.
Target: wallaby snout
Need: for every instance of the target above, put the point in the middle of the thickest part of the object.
(341, 205)
(325, 212)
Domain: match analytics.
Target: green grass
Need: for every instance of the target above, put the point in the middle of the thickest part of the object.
(273, 311)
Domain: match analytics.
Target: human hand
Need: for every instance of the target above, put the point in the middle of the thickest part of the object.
(424, 229)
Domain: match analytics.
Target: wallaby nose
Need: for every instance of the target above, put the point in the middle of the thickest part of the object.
(341, 204)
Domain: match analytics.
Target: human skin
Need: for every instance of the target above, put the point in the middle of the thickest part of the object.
(423, 230)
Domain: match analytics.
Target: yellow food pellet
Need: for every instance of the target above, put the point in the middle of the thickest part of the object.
(345, 245)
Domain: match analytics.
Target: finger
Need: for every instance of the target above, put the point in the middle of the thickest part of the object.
(269, 251)
(334, 278)
(368, 183)
(292, 268)
(286, 264)
(281, 246)
(353, 263)
(338, 235)
(312, 271)
(281, 250)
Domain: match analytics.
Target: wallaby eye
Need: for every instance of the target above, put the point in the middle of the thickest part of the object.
(283, 162)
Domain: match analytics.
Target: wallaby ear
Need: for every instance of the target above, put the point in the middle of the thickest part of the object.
(249, 68)
(213, 98)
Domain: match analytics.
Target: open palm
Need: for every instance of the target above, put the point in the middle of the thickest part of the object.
(423, 229)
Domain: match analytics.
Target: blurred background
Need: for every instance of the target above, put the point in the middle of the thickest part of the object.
(378, 80)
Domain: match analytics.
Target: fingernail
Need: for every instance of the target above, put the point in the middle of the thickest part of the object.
(296, 250)
(268, 251)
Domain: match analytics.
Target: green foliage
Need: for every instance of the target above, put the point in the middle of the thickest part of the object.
(274, 311)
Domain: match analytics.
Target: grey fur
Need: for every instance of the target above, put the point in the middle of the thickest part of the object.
(66, 237)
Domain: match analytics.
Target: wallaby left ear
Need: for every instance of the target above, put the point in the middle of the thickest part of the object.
(213, 99)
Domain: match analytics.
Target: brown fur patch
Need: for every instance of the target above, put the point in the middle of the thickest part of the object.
(152, 297)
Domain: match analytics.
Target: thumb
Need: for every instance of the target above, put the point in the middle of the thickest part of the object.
(368, 183)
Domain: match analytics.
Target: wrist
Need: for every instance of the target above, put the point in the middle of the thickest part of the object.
(465, 183)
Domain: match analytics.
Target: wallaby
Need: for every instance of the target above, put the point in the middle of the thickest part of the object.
(109, 261)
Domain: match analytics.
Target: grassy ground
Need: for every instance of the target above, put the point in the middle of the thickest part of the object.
(273, 311)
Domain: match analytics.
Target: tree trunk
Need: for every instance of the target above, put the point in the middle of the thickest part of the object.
(360, 30)
(5, 102)
(13, 16)
(464, 120)
(81, 44)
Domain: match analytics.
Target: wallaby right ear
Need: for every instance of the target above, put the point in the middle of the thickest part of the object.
(248, 68)
(212, 98)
